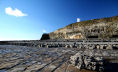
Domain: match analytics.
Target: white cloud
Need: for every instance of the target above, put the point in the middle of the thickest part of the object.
(44, 31)
(78, 19)
(15, 12)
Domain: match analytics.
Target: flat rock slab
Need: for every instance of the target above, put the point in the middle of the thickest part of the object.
(33, 59)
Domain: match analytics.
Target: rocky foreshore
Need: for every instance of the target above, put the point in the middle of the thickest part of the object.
(82, 61)
(34, 59)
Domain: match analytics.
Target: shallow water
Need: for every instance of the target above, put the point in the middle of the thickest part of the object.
(3, 70)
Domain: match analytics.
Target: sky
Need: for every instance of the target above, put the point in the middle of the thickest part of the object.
(29, 19)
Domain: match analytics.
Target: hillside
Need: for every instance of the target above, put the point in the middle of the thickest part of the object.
(104, 28)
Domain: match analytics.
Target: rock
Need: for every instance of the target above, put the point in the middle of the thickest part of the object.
(82, 61)
(98, 46)
(104, 28)
(45, 36)
(109, 46)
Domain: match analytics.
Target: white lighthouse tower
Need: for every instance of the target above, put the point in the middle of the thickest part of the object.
(78, 19)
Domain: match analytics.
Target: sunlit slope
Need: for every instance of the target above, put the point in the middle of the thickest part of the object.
(104, 28)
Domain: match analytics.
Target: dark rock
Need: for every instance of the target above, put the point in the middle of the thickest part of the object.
(45, 36)
(82, 61)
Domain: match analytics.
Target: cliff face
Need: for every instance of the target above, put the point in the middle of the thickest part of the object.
(104, 28)
(45, 37)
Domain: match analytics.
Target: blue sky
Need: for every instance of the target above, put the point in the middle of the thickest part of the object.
(29, 19)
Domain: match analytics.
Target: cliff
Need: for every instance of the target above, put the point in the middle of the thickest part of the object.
(104, 28)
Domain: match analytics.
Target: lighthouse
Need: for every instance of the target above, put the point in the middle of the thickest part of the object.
(78, 19)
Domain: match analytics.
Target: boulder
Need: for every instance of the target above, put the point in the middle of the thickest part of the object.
(45, 36)
(82, 61)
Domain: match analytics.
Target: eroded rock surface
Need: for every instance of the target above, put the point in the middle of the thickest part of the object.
(34, 59)
(82, 61)
(104, 28)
